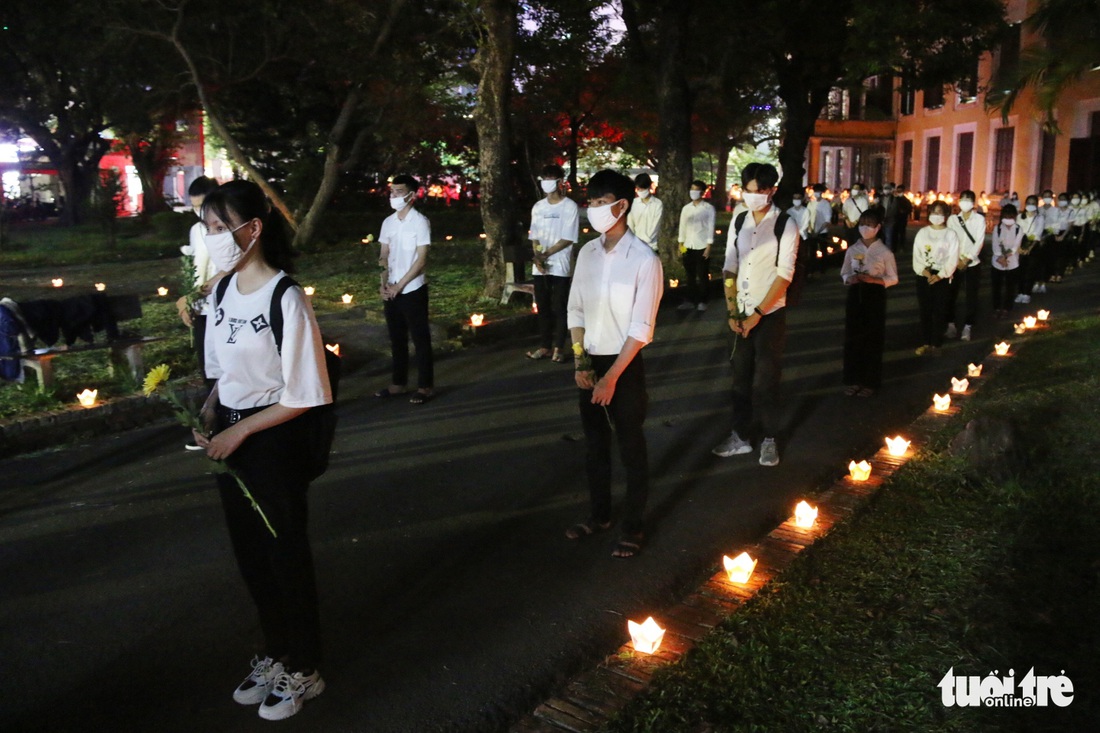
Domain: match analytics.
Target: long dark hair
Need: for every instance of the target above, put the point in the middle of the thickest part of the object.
(246, 201)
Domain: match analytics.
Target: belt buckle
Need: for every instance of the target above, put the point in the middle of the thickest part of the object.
(234, 417)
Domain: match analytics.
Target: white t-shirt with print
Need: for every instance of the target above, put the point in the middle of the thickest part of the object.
(403, 237)
(551, 223)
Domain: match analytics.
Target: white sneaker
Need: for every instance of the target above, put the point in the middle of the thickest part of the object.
(257, 685)
(289, 693)
(1043, 288)
(1027, 299)
(734, 445)
(1019, 298)
(1035, 288)
(951, 331)
(769, 453)
(686, 306)
(965, 334)
(701, 307)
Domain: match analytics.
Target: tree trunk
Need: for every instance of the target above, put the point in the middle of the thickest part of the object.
(493, 62)
(804, 105)
(150, 174)
(574, 154)
(720, 196)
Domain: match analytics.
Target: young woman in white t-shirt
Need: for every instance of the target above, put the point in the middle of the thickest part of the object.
(935, 257)
(1008, 238)
(254, 415)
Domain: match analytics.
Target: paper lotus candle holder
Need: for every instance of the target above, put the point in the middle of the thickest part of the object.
(483, 235)
(1030, 321)
(309, 290)
(1019, 328)
(843, 245)
(347, 298)
(805, 515)
(162, 291)
(449, 237)
(334, 348)
(1043, 315)
(673, 283)
(368, 239)
(477, 319)
(57, 282)
(973, 370)
(101, 287)
(1001, 349)
(717, 231)
(859, 471)
(739, 569)
(830, 250)
(87, 397)
(646, 636)
(897, 446)
(820, 254)
(941, 402)
(958, 386)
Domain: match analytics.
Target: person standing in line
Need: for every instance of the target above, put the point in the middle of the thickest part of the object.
(1079, 221)
(696, 237)
(935, 257)
(820, 217)
(800, 214)
(1092, 226)
(759, 267)
(888, 202)
(406, 235)
(555, 226)
(1058, 226)
(901, 223)
(1032, 227)
(1008, 237)
(1045, 255)
(853, 208)
(613, 304)
(869, 269)
(254, 418)
(969, 228)
(645, 214)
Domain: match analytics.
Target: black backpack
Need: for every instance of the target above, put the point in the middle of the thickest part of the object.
(321, 420)
(798, 280)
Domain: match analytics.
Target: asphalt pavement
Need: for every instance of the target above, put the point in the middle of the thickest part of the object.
(450, 598)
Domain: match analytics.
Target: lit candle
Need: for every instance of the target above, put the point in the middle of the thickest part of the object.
(859, 471)
(1030, 321)
(805, 515)
(673, 283)
(162, 291)
(87, 397)
(959, 385)
(334, 348)
(477, 319)
(739, 568)
(449, 237)
(646, 636)
(1019, 328)
(973, 370)
(57, 282)
(309, 290)
(941, 403)
(101, 287)
(1044, 314)
(897, 446)
(1001, 349)
(347, 298)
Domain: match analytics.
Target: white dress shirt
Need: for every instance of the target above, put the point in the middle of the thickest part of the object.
(821, 215)
(403, 237)
(801, 216)
(1032, 225)
(751, 259)
(854, 207)
(874, 261)
(204, 266)
(1006, 243)
(697, 225)
(644, 219)
(615, 294)
(969, 246)
(936, 249)
(551, 223)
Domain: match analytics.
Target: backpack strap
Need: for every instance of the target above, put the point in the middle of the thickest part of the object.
(276, 315)
(780, 225)
(738, 223)
(220, 288)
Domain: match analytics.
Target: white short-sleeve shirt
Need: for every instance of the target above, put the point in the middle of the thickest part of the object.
(551, 223)
(403, 237)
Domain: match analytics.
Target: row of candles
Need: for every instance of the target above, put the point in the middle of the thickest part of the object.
(646, 637)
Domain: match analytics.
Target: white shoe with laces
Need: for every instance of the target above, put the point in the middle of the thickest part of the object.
(965, 334)
(951, 331)
(769, 453)
(733, 445)
(257, 685)
(289, 693)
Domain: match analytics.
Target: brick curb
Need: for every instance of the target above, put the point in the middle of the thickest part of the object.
(590, 699)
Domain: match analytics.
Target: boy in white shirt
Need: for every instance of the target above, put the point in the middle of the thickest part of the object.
(969, 228)
(555, 224)
(645, 214)
(696, 237)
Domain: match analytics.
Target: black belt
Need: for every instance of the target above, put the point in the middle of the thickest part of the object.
(229, 416)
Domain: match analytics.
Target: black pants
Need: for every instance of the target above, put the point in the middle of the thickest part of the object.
(627, 414)
(932, 301)
(1025, 276)
(757, 370)
(277, 570)
(1076, 242)
(967, 281)
(695, 275)
(1004, 286)
(864, 334)
(406, 314)
(552, 299)
(1048, 254)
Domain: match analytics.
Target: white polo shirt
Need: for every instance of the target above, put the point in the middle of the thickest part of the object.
(752, 259)
(644, 219)
(403, 237)
(551, 223)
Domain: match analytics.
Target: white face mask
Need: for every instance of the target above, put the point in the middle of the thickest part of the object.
(1008, 222)
(797, 202)
(695, 194)
(398, 202)
(755, 201)
(643, 193)
(223, 249)
(601, 218)
(887, 191)
(817, 195)
(1048, 201)
(1062, 203)
(549, 186)
(965, 205)
(935, 219)
(1075, 201)
(868, 233)
(1032, 208)
(857, 192)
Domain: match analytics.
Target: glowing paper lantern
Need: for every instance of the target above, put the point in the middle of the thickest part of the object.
(859, 471)
(57, 282)
(646, 636)
(347, 298)
(1044, 314)
(1030, 321)
(101, 287)
(87, 397)
(483, 235)
(959, 386)
(820, 254)
(334, 348)
(477, 319)
(673, 283)
(897, 446)
(1019, 328)
(309, 290)
(1001, 349)
(162, 291)
(805, 515)
(739, 568)
(941, 403)
(449, 237)
(973, 370)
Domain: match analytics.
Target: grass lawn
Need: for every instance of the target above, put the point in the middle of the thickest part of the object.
(942, 571)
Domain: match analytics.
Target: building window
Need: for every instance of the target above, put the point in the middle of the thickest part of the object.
(932, 164)
(907, 164)
(933, 97)
(967, 87)
(964, 161)
(908, 99)
(1046, 162)
(1003, 143)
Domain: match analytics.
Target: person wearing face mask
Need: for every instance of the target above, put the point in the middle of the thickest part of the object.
(695, 238)
(1047, 254)
(888, 203)
(969, 228)
(254, 416)
(853, 208)
(617, 287)
(1008, 237)
(759, 267)
(645, 214)
(935, 257)
(820, 217)
(405, 237)
(1079, 220)
(901, 222)
(555, 225)
(1092, 225)
(869, 269)
(1032, 227)
(800, 214)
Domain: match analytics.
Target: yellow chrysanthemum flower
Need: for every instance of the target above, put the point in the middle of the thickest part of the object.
(578, 349)
(729, 282)
(157, 376)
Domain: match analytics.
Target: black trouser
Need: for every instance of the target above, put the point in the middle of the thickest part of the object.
(1076, 239)
(277, 570)
(864, 334)
(407, 313)
(552, 299)
(815, 246)
(1048, 255)
(695, 275)
(1026, 273)
(757, 370)
(966, 280)
(932, 300)
(1003, 284)
(627, 413)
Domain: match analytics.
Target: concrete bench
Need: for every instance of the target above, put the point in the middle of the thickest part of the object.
(511, 286)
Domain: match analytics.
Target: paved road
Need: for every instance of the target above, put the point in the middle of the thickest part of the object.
(450, 599)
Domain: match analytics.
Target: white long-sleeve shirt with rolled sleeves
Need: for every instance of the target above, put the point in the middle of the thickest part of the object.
(644, 219)
(801, 217)
(969, 246)
(697, 225)
(1032, 225)
(936, 249)
(821, 216)
(615, 294)
(753, 260)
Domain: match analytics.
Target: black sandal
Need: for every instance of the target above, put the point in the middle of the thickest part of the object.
(586, 529)
(628, 545)
(420, 397)
(385, 392)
